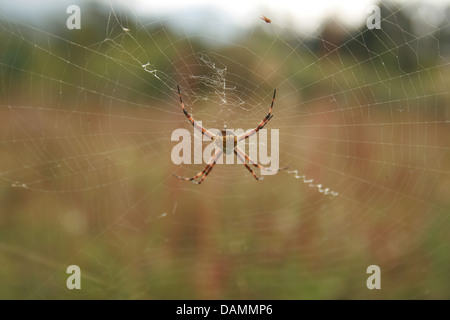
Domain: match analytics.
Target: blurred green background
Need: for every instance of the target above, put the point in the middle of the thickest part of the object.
(86, 176)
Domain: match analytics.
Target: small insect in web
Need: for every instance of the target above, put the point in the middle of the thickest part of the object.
(221, 140)
(265, 19)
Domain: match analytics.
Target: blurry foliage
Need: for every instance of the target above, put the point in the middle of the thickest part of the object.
(383, 54)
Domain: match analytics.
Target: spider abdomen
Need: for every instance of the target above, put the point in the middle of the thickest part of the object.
(226, 140)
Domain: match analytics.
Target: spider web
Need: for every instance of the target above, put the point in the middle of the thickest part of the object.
(86, 171)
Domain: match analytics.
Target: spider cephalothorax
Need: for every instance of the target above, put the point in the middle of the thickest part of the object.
(226, 141)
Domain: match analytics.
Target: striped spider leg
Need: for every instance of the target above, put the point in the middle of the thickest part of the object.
(247, 166)
(205, 171)
(241, 154)
(213, 160)
(262, 124)
(192, 121)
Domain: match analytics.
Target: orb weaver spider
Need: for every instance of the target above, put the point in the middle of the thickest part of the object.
(221, 139)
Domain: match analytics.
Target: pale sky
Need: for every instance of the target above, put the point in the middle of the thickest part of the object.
(304, 14)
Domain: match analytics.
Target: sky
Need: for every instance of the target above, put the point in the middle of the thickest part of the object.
(303, 15)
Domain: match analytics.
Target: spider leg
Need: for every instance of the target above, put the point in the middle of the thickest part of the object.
(243, 154)
(191, 120)
(247, 166)
(205, 171)
(261, 124)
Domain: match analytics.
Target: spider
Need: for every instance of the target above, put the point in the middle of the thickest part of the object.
(221, 139)
(265, 19)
